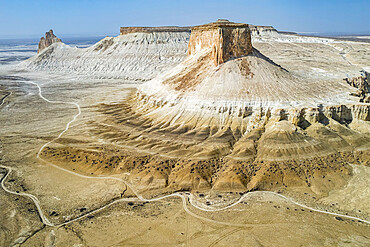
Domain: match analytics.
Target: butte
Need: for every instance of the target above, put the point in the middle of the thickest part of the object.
(228, 118)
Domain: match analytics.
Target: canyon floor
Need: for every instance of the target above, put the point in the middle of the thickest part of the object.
(91, 207)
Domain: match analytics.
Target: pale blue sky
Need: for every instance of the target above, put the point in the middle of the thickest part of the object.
(28, 18)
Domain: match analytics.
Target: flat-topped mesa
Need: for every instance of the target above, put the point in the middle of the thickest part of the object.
(49, 39)
(227, 40)
(127, 30)
(262, 30)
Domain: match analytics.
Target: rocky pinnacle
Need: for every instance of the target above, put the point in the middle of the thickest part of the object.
(49, 39)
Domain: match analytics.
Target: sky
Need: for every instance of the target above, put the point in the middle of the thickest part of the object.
(83, 18)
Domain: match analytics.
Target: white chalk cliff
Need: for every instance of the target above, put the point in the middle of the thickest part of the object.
(137, 54)
(220, 113)
(228, 101)
(133, 56)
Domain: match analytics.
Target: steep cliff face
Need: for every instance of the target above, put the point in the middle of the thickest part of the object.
(127, 30)
(49, 39)
(225, 117)
(263, 31)
(134, 56)
(226, 39)
(362, 84)
(223, 69)
(141, 53)
(229, 118)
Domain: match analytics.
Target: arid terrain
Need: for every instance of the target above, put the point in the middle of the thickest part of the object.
(85, 161)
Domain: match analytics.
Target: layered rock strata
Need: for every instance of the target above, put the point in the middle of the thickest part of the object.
(263, 30)
(362, 84)
(141, 53)
(49, 39)
(199, 153)
(247, 110)
(127, 30)
(255, 30)
(134, 56)
(226, 39)
(229, 118)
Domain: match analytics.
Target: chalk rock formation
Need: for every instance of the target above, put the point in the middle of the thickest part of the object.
(361, 83)
(227, 40)
(168, 29)
(139, 53)
(137, 56)
(224, 72)
(259, 125)
(49, 39)
(228, 118)
(263, 31)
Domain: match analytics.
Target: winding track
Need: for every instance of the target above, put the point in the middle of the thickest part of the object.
(6, 96)
(185, 197)
(341, 53)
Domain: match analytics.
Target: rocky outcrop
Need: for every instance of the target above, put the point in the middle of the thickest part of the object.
(226, 118)
(361, 83)
(199, 153)
(137, 57)
(229, 118)
(127, 30)
(140, 53)
(49, 39)
(255, 30)
(226, 39)
(262, 30)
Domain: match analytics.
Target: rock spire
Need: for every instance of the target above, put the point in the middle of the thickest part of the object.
(49, 39)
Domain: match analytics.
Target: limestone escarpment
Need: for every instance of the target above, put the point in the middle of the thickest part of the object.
(139, 54)
(49, 39)
(254, 29)
(263, 30)
(362, 84)
(134, 56)
(226, 39)
(200, 152)
(262, 121)
(236, 78)
(127, 30)
(239, 123)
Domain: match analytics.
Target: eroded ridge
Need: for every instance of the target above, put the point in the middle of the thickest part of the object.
(188, 154)
(184, 196)
(229, 118)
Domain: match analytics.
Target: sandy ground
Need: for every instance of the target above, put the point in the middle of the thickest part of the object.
(28, 122)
